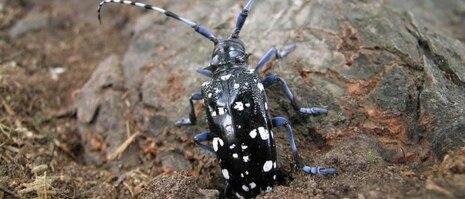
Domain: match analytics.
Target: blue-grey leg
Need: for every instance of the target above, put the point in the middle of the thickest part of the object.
(202, 137)
(192, 119)
(205, 72)
(274, 53)
(273, 79)
(227, 189)
(282, 122)
(241, 19)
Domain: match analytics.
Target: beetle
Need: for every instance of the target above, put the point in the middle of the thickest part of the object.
(235, 101)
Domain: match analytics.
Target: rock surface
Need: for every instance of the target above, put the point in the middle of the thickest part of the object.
(100, 111)
(397, 77)
(32, 22)
(174, 160)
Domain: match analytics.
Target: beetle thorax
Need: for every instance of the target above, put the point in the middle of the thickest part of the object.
(229, 53)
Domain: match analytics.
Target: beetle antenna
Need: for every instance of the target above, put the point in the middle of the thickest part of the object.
(200, 29)
(241, 19)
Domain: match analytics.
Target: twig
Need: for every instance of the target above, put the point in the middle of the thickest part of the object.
(65, 149)
(11, 148)
(45, 185)
(41, 186)
(4, 189)
(430, 185)
(122, 147)
(5, 130)
(120, 180)
(8, 109)
(64, 113)
(129, 189)
(5, 158)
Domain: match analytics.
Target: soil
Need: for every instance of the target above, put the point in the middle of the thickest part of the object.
(44, 66)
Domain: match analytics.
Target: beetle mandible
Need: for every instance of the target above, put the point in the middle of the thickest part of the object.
(237, 111)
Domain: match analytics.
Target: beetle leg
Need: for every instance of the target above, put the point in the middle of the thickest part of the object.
(274, 53)
(227, 188)
(202, 137)
(282, 122)
(272, 79)
(205, 72)
(241, 19)
(192, 119)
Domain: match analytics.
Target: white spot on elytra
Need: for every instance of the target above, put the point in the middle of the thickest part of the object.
(263, 133)
(243, 146)
(246, 173)
(242, 175)
(247, 104)
(220, 141)
(239, 196)
(220, 110)
(232, 146)
(252, 185)
(266, 106)
(238, 106)
(267, 166)
(245, 188)
(253, 133)
(236, 86)
(269, 189)
(239, 126)
(274, 177)
(217, 141)
(260, 86)
(225, 174)
(215, 144)
(245, 158)
(235, 155)
(274, 165)
(213, 112)
(210, 95)
(226, 77)
(251, 71)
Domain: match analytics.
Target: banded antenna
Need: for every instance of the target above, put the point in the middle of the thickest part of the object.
(200, 29)
(241, 19)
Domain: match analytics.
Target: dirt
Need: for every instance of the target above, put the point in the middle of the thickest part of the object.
(41, 153)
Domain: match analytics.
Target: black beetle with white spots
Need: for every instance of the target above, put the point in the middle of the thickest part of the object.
(237, 111)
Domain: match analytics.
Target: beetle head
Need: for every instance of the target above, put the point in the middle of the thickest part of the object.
(229, 52)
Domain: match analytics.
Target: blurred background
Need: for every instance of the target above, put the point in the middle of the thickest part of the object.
(87, 109)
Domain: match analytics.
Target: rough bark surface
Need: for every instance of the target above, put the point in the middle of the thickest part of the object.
(391, 72)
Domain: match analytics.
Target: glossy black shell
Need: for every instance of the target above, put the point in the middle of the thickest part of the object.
(238, 117)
